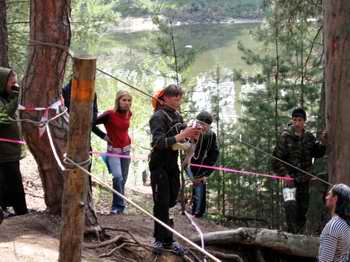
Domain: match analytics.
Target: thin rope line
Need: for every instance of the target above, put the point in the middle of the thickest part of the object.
(284, 162)
(143, 210)
(53, 148)
(125, 83)
(48, 44)
(197, 229)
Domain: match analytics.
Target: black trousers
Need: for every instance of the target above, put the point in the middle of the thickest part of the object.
(11, 187)
(296, 210)
(165, 187)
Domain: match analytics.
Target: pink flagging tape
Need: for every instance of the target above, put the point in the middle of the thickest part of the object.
(218, 168)
(15, 141)
(231, 170)
(119, 155)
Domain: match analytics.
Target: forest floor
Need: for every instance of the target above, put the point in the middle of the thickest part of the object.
(35, 236)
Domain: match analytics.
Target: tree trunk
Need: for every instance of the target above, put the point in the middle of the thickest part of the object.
(296, 245)
(49, 40)
(337, 71)
(76, 181)
(49, 23)
(3, 35)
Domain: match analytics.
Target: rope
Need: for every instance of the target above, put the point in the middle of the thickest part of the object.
(48, 44)
(132, 87)
(142, 210)
(197, 229)
(15, 141)
(66, 49)
(53, 148)
(125, 83)
(284, 162)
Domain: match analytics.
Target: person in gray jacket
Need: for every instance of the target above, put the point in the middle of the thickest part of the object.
(11, 187)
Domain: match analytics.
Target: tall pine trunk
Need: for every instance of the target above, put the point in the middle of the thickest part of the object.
(337, 72)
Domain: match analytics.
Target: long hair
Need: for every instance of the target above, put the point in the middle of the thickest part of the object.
(119, 95)
(342, 208)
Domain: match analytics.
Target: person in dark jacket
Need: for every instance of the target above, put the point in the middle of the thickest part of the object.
(167, 129)
(298, 147)
(11, 187)
(206, 153)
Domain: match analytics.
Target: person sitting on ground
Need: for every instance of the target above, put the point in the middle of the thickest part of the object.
(335, 236)
(11, 186)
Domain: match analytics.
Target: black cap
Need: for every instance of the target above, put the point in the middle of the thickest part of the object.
(299, 112)
(205, 117)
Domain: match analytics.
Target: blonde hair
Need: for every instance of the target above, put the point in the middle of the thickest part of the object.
(118, 96)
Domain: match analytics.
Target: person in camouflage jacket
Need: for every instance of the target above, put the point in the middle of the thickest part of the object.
(11, 187)
(297, 147)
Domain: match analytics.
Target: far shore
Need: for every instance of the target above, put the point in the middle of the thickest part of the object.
(138, 24)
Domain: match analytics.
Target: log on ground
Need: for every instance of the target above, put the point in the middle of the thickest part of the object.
(287, 243)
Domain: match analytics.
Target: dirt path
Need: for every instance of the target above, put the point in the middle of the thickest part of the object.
(35, 237)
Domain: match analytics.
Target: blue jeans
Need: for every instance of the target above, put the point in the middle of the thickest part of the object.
(198, 195)
(198, 198)
(119, 168)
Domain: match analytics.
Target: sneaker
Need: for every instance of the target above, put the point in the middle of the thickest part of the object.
(114, 211)
(157, 248)
(176, 248)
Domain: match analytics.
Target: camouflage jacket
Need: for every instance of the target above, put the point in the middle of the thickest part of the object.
(298, 151)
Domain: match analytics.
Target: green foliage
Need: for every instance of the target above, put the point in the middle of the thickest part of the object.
(91, 19)
(172, 50)
(290, 75)
(18, 34)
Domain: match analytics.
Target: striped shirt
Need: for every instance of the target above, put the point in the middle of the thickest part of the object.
(335, 241)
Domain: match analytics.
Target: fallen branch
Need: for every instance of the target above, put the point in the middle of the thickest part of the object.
(296, 245)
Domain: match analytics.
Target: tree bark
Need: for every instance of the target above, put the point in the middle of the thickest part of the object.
(337, 72)
(49, 41)
(49, 23)
(4, 61)
(296, 245)
(76, 181)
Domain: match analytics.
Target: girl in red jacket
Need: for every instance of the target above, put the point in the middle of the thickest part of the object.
(117, 122)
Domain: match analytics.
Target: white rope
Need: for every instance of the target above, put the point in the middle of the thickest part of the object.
(144, 211)
(197, 229)
(53, 147)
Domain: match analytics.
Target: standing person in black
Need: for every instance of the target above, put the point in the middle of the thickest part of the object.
(66, 93)
(206, 153)
(11, 186)
(166, 125)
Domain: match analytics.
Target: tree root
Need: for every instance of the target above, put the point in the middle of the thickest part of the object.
(119, 244)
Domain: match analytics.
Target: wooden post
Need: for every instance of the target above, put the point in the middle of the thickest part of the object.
(75, 181)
